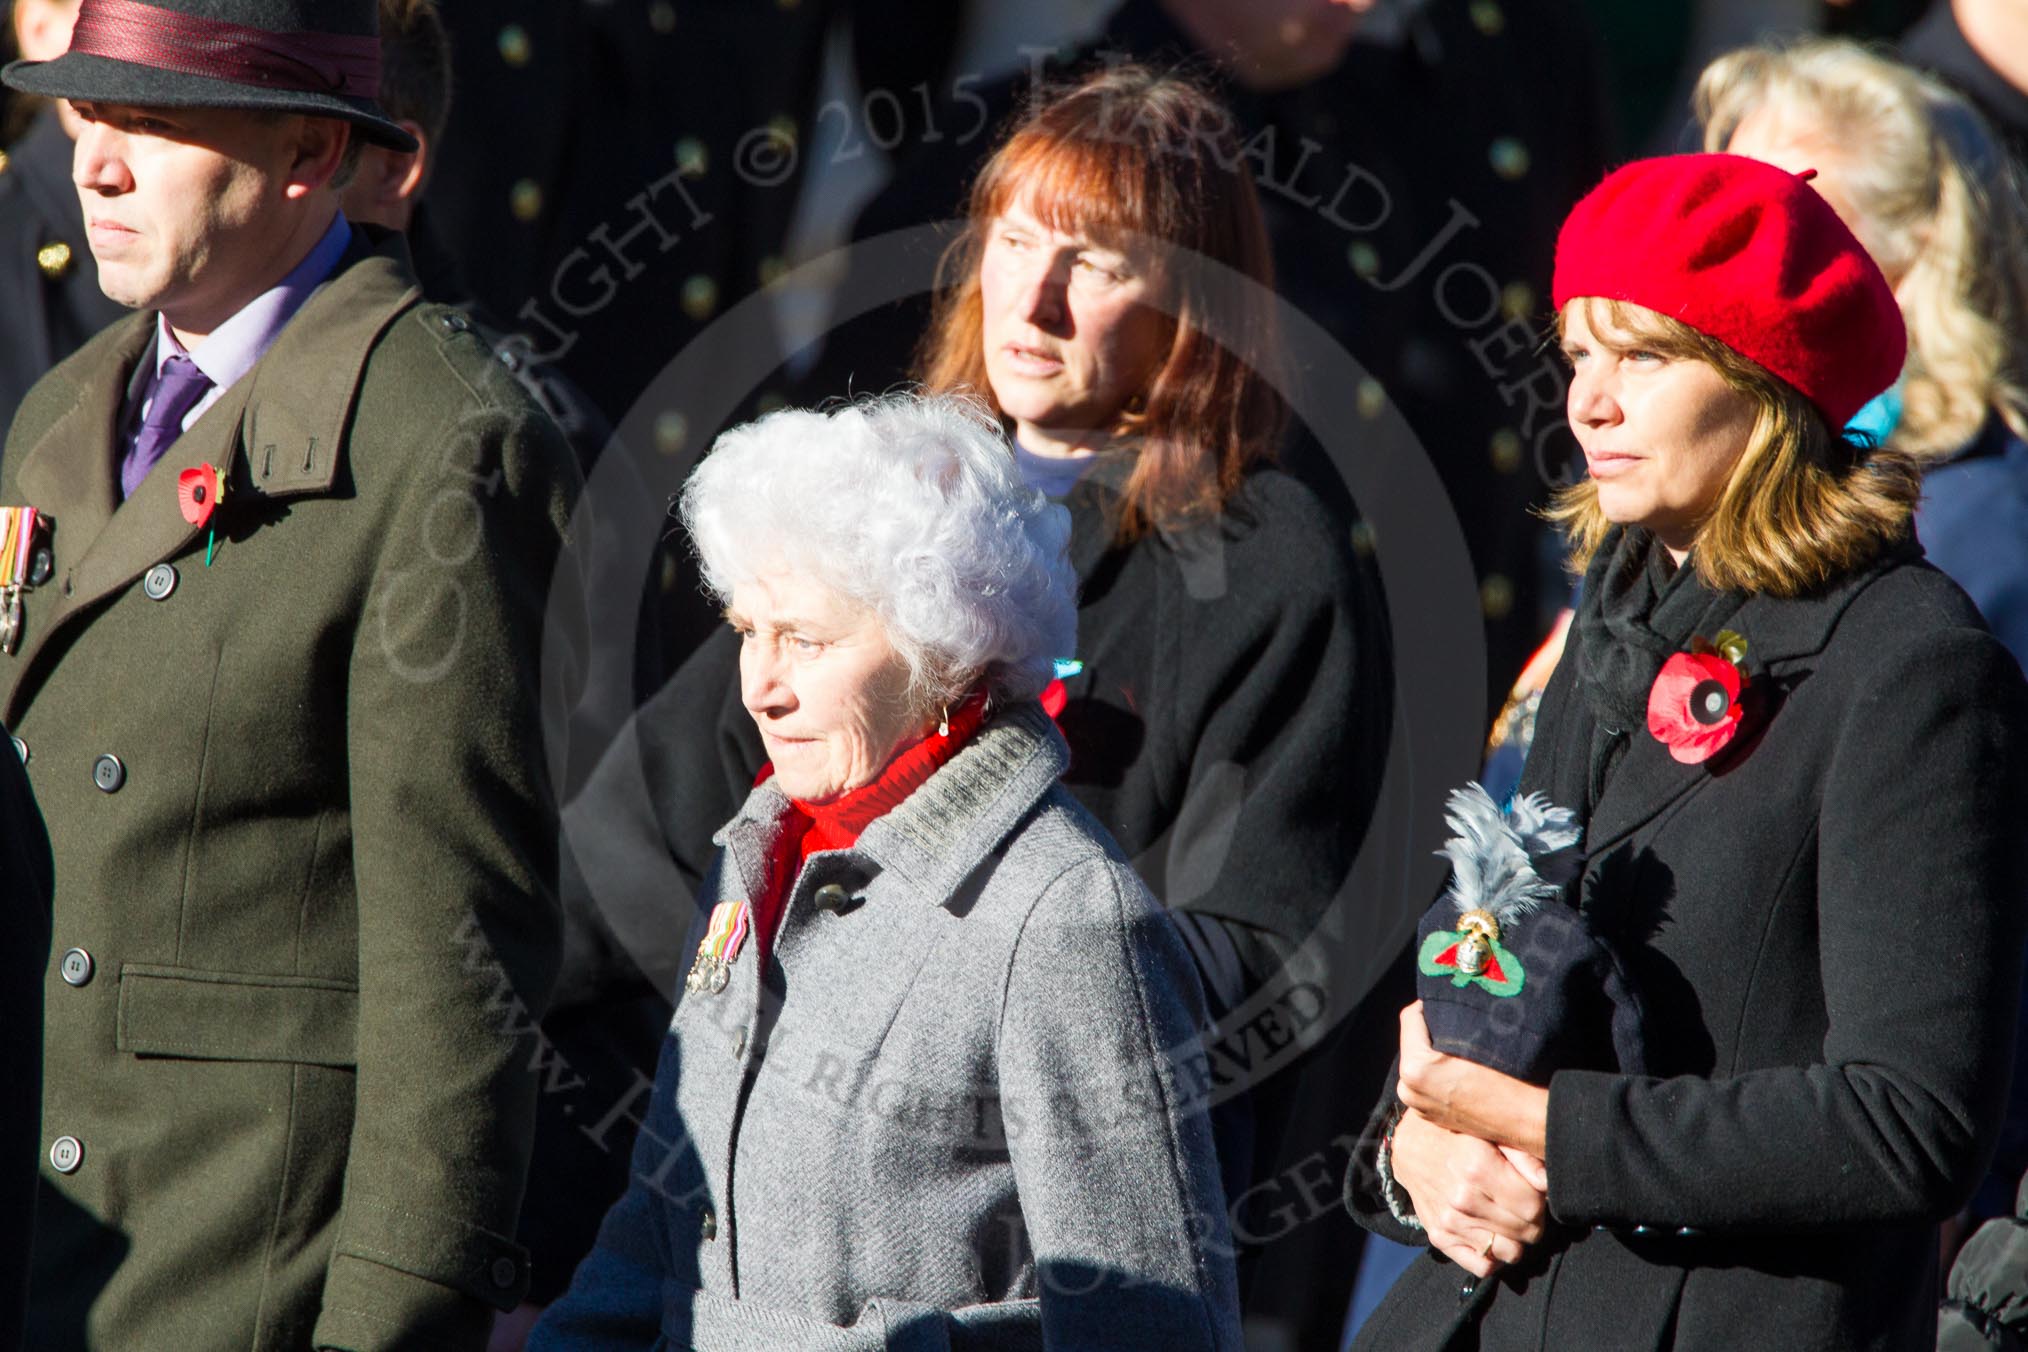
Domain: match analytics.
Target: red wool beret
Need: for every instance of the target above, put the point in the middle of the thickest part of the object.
(1748, 254)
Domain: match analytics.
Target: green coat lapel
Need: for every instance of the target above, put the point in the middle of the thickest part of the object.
(289, 445)
(69, 474)
(292, 441)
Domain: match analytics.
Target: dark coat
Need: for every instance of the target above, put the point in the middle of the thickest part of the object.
(1825, 922)
(24, 891)
(1973, 523)
(302, 829)
(1938, 45)
(49, 281)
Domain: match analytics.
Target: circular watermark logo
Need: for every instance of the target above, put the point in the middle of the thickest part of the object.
(613, 831)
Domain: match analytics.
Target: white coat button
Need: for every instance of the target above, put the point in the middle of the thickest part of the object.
(66, 1153)
(160, 581)
(108, 773)
(76, 967)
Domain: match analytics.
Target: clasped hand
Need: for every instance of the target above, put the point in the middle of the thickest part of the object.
(1469, 1152)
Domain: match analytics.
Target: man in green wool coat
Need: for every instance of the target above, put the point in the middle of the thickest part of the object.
(272, 649)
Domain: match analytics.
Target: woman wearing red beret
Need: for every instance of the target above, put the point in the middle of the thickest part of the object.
(1800, 765)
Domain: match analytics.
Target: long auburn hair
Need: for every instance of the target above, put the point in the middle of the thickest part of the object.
(1130, 156)
(1802, 506)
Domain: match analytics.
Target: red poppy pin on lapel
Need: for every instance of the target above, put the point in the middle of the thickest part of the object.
(1694, 705)
(198, 493)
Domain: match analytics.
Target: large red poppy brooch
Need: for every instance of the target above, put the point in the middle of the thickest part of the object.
(1694, 705)
(198, 493)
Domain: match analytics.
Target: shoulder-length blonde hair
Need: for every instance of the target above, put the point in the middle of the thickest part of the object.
(1147, 160)
(1802, 505)
(1941, 207)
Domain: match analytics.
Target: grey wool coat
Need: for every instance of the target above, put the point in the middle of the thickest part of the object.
(303, 837)
(942, 1116)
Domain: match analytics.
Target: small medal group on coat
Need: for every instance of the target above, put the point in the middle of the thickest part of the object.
(731, 922)
(25, 563)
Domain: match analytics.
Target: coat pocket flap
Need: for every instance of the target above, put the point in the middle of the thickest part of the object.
(230, 1016)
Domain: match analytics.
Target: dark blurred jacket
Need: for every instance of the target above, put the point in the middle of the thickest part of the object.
(618, 174)
(25, 880)
(49, 281)
(1938, 45)
(1973, 523)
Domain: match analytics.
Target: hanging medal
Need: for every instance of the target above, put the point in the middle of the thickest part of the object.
(17, 562)
(730, 923)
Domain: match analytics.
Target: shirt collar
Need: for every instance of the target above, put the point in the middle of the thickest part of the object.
(237, 345)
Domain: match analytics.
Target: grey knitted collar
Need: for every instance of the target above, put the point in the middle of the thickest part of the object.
(944, 830)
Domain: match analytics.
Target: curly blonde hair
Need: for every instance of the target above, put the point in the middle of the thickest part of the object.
(1940, 206)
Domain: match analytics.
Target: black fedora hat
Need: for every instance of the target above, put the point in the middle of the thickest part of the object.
(320, 57)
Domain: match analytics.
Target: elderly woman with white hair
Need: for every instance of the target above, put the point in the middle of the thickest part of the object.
(917, 1090)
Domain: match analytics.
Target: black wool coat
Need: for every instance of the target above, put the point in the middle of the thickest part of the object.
(1825, 921)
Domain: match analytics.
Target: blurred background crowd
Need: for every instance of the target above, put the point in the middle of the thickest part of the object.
(606, 179)
(605, 183)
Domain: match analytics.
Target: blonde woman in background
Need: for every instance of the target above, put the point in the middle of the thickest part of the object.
(1920, 177)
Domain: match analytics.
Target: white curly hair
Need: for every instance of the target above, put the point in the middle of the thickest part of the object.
(910, 505)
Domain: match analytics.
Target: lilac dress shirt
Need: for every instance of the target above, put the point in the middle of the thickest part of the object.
(237, 345)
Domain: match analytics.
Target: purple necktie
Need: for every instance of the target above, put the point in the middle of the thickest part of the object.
(177, 391)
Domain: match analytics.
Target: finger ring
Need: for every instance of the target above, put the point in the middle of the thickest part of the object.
(1486, 1249)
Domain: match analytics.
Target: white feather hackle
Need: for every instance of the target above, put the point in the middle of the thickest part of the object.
(1498, 858)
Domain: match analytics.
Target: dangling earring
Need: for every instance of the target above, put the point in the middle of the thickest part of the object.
(944, 723)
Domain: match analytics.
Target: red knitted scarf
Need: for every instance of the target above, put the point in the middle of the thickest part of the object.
(810, 828)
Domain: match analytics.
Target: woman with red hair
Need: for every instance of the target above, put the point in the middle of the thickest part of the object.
(1227, 706)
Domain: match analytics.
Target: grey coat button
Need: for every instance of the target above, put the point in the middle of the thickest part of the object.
(108, 773)
(1644, 1229)
(20, 749)
(76, 967)
(708, 1227)
(505, 1272)
(160, 581)
(66, 1153)
(41, 567)
(1687, 1232)
(834, 898)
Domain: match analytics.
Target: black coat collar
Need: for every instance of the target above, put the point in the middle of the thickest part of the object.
(1782, 632)
(1784, 635)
